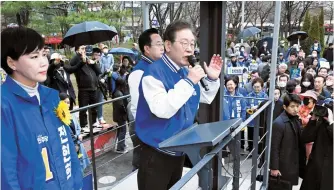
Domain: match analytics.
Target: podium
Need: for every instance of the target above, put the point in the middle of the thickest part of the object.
(199, 137)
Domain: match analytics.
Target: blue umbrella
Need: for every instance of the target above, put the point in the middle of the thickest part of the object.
(122, 51)
(251, 31)
(88, 33)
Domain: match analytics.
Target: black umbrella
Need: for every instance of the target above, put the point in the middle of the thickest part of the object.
(299, 35)
(87, 33)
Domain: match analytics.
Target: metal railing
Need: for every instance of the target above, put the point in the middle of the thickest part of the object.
(91, 135)
(235, 137)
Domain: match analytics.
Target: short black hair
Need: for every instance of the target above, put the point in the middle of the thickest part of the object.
(76, 48)
(288, 98)
(120, 83)
(256, 80)
(318, 76)
(63, 96)
(234, 78)
(291, 86)
(283, 75)
(115, 67)
(145, 38)
(16, 42)
(254, 71)
(96, 50)
(330, 44)
(293, 53)
(174, 27)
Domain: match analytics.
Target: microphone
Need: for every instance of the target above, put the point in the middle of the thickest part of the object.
(192, 60)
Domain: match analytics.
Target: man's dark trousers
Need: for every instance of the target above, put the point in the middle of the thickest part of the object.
(157, 170)
(87, 97)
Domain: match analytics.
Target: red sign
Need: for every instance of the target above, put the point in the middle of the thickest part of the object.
(53, 40)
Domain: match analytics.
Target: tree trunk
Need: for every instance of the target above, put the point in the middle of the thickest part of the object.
(18, 19)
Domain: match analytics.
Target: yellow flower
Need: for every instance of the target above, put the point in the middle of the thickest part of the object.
(63, 113)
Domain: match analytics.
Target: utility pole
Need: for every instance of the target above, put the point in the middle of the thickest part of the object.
(133, 27)
(242, 18)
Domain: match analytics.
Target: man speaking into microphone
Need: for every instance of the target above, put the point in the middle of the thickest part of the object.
(169, 96)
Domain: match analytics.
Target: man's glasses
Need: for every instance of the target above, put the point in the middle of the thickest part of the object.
(186, 44)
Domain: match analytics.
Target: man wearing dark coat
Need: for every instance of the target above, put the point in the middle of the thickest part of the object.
(319, 169)
(287, 154)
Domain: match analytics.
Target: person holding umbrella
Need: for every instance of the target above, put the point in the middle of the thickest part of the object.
(87, 81)
(264, 49)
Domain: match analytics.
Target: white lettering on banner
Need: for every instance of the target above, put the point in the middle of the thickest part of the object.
(42, 139)
(66, 150)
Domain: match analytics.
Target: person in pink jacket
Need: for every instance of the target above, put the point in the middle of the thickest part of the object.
(309, 100)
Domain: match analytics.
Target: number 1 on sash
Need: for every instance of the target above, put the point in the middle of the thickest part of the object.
(49, 174)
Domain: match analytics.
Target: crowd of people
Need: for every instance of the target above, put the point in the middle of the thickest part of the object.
(302, 83)
(165, 95)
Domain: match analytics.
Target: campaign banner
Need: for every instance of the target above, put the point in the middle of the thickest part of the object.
(236, 70)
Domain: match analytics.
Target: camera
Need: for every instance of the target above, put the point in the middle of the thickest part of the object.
(321, 111)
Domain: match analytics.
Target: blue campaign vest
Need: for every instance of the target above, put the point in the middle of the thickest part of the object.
(153, 130)
(255, 102)
(36, 142)
(142, 64)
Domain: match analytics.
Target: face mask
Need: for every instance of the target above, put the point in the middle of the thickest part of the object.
(316, 45)
(242, 49)
(105, 51)
(314, 55)
(282, 84)
(306, 101)
(329, 83)
(306, 84)
(264, 45)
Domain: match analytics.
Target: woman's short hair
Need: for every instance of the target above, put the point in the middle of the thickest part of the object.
(235, 79)
(258, 80)
(16, 42)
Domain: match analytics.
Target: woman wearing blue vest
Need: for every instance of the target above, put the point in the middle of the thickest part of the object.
(37, 151)
(252, 105)
(236, 105)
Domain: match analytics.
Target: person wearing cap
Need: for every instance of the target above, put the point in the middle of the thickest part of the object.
(59, 76)
(233, 61)
(240, 62)
(281, 58)
(309, 98)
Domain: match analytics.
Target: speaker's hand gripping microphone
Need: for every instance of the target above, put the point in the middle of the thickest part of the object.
(192, 60)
